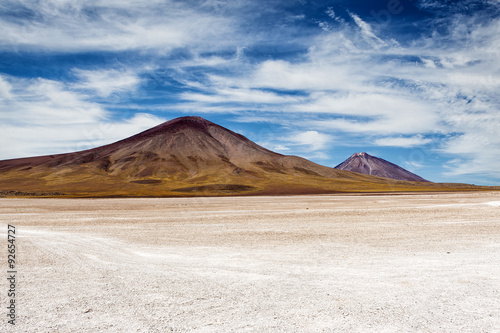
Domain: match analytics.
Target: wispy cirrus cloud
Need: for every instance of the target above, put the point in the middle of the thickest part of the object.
(313, 140)
(5, 88)
(40, 116)
(106, 82)
(401, 94)
(75, 26)
(45, 102)
(241, 95)
(367, 32)
(406, 142)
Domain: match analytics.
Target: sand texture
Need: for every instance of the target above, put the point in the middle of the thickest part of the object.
(331, 263)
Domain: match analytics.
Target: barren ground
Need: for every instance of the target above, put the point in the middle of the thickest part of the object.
(360, 263)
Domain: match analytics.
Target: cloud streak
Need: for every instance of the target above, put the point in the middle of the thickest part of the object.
(445, 85)
(312, 139)
(406, 142)
(105, 25)
(44, 117)
(107, 82)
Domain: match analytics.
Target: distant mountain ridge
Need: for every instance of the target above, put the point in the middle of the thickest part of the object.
(371, 165)
(187, 156)
(186, 148)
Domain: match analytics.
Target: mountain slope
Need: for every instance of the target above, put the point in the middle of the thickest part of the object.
(187, 156)
(371, 165)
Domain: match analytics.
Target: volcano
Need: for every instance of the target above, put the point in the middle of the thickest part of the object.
(371, 165)
(187, 156)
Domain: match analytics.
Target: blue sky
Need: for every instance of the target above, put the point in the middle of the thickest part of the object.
(413, 82)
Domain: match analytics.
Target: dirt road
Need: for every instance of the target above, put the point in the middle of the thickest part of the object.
(388, 263)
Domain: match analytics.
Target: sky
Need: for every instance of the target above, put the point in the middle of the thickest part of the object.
(415, 82)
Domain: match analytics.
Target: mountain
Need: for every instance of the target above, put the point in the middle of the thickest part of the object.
(187, 156)
(371, 165)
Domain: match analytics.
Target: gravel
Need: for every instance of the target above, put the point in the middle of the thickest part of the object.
(339, 263)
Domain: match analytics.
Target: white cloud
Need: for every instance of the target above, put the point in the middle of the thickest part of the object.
(293, 18)
(363, 84)
(367, 32)
(279, 74)
(319, 155)
(44, 117)
(273, 146)
(110, 25)
(324, 26)
(5, 88)
(104, 132)
(228, 95)
(477, 148)
(107, 82)
(312, 139)
(412, 165)
(46, 102)
(429, 63)
(371, 113)
(330, 12)
(364, 104)
(406, 142)
(280, 148)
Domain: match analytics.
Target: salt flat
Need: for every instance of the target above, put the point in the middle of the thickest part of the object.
(346, 263)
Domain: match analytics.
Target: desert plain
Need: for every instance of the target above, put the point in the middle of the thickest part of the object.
(317, 263)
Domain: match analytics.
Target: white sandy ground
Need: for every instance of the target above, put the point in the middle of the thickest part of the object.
(390, 263)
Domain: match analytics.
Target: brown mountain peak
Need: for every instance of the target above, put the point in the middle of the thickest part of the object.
(173, 126)
(190, 156)
(183, 122)
(375, 166)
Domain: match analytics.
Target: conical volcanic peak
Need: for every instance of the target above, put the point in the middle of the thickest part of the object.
(183, 155)
(175, 125)
(191, 156)
(187, 133)
(375, 166)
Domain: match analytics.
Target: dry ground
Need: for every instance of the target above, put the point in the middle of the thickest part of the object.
(361, 263)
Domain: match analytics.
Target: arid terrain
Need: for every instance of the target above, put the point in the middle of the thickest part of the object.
(323, 263)
(191, 156)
